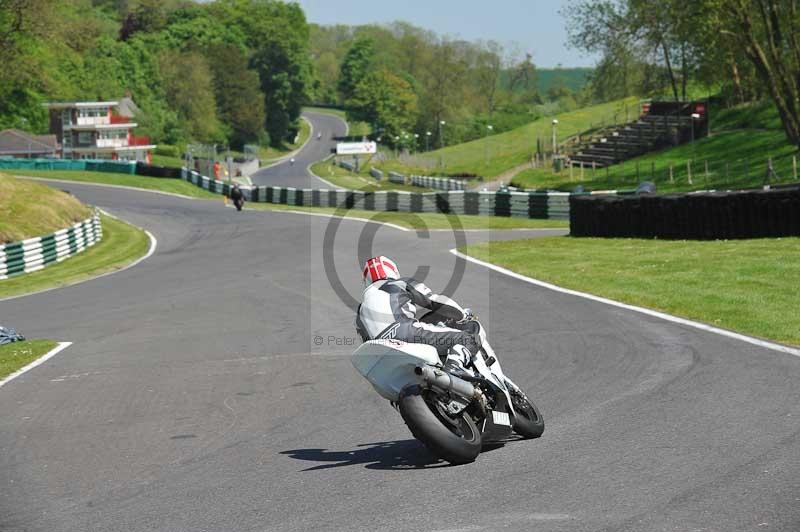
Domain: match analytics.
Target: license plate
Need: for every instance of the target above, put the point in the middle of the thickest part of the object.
(501, 418)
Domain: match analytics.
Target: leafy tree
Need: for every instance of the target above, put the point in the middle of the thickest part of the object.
(386, 100)
(768, 31)
(277, 34)
(240, 103)
(188, 92)
(355, 66)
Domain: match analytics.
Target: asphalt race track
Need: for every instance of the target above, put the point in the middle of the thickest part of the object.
(209, 389)
(285, 174)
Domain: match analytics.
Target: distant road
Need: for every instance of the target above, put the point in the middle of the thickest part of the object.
(285, 174)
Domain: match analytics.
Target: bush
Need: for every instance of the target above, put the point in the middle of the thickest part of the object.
(167, 150)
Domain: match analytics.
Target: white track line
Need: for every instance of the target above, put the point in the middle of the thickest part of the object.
(41, 360)
(326, 215)
(641, 310)
(150, 251)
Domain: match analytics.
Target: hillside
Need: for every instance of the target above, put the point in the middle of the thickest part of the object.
(737, 154)
(493, 155)
(30, 209)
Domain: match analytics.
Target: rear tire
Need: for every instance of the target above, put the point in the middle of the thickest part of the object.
(528, 421)
(456, 440)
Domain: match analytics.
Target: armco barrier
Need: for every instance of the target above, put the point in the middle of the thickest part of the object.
(394, 177)
(439, 183)
(502, 203)
(696, 216)
(34, 254)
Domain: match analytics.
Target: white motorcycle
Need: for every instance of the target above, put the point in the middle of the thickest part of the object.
(453, 415)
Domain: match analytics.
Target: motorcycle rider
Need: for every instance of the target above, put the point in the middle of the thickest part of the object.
(389, 311)
(237, 196)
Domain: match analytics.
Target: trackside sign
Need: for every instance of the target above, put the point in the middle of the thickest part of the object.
(356, 148)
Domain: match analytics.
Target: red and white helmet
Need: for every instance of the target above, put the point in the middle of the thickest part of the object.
(379, 268)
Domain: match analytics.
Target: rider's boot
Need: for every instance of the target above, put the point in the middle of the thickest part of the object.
(458, 358)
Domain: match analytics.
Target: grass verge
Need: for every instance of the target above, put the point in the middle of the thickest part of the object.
(174, 186)
(425, 220)
(31, 209)
(341, 177)
(17, 355)
(269, 154)
(493, 155)
(748, 286)
(122, 244)
(735, 156)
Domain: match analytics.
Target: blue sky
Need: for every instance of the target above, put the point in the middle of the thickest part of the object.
(535, 25)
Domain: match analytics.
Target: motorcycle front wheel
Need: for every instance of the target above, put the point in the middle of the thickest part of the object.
(528, 421)
(455, 439)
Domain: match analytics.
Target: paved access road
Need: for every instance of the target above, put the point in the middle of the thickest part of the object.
(195, 398)
(298, 175)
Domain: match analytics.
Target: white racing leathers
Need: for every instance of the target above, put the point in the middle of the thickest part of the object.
(390, 308)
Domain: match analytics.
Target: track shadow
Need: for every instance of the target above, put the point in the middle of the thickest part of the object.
(398, 455)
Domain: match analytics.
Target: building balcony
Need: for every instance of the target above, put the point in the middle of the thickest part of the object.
(138, 141)
(92, 121)
(112, 143)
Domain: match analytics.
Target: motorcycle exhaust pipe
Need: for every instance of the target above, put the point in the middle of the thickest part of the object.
(445, 381)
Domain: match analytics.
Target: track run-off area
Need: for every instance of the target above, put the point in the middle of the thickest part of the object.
(209, 388)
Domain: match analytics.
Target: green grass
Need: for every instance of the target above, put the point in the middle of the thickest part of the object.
(17, 355)
(122, 243)
(493, 155)
(356, 129)
(737, 152)
(175, 186)
(31, 209)
(425, 220)
(166, 160)
(269, 154)
(746, 285)
(341, 177)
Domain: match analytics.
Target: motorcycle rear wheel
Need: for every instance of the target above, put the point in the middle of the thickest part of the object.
(455, 439)
(528, 421)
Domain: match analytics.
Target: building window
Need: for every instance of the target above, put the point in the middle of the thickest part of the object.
(85, 137)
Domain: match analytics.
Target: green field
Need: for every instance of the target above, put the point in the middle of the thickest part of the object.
(745, 285)
(736, 154)
(163, 184)
(363, 181)
(17, 355)
(425, 220)
(122, 244)
(495, 154)
(31, 209)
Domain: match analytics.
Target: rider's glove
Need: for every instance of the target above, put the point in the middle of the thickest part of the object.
(468, 315)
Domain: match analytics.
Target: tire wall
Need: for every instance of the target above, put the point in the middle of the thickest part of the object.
(699, 216)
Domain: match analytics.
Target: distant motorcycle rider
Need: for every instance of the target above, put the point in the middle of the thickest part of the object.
(237, 196)
(389, 310)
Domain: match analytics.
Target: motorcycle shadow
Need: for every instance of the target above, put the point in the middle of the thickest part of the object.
(387, 455)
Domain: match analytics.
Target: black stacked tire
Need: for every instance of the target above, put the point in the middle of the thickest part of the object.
(456, 440)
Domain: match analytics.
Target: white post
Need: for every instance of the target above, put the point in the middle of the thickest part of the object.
(689, 171)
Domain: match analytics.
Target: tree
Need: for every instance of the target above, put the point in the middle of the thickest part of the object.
(186, 82)
(768, 31)
(355, 66)
(277, 34)
(488, 69)
(386, 100)
(240, 104)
